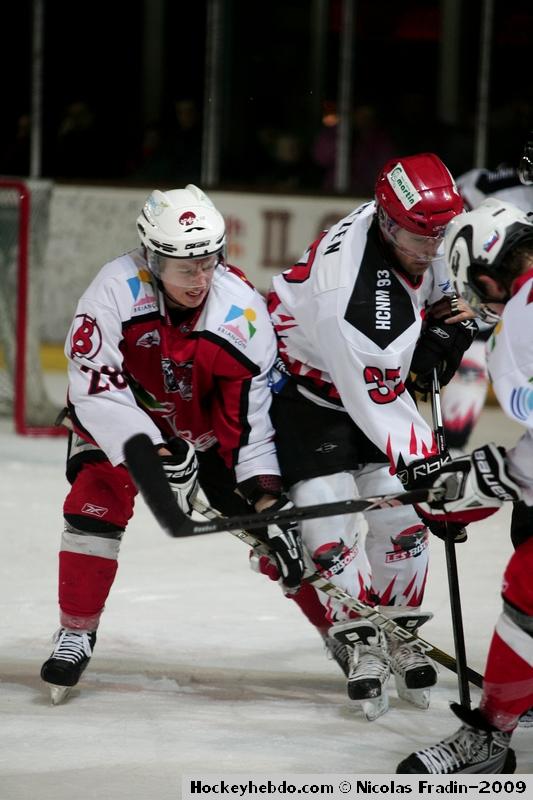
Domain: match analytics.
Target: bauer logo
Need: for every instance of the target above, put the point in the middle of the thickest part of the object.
(402, 187)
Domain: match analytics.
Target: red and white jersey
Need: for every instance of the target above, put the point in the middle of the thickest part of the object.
(510, 364)
(348, 321)
(504, 183)
(204, 378)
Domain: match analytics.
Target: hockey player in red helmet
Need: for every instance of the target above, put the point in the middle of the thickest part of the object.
(416, 197)
(490, 251)
(349, 319)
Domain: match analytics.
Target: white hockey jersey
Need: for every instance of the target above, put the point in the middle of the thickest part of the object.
(203, 378)
(348, 321)
(510, 364)
(504, 183)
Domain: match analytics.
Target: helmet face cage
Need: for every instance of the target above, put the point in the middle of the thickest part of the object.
(183, 273)
(419, 194)
(181, 224)
(414, 246)
(477, 243)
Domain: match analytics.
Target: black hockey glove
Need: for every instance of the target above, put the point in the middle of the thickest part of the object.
(284, 545)
(440, 346)
(181, 469)
(445, 530)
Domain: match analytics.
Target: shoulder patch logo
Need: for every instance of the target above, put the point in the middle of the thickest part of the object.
(232, 328)
(86, 339)
(141, 291)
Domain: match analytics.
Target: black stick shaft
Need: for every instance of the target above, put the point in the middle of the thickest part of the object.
(451, 565)
(146, 469)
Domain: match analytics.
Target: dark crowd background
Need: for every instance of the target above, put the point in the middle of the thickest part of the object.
(124, 97)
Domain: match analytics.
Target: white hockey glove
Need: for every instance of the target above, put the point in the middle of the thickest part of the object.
(475, 486)
(285, 547)
(181, 469)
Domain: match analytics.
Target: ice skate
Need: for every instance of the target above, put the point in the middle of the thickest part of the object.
(339, 652)
(369, 668)
(476, 747)
(71, 654)
(414, 672)
(526, 719)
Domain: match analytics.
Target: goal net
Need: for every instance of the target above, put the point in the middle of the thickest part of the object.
(24, 215)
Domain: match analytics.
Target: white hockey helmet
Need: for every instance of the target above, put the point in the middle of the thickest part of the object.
(477, 243)
(181, 223)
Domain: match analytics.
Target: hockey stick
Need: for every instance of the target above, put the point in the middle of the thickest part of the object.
(145, 467)
(451, 563)
(386, 624)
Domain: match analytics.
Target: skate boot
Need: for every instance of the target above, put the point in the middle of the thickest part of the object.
(369, 665)
(476, 747)
(339, 652)
(414, 672)
(72, 652)
(526, 719)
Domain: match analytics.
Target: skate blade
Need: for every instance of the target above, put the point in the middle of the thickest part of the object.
(416, 697)
(374, 708)
(58, 694)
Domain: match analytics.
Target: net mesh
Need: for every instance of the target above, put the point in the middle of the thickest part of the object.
(23, 241)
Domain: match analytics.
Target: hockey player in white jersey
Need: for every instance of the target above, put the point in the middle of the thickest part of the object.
(171, 341)
(348, 318)
(464, 397)
(491, 251)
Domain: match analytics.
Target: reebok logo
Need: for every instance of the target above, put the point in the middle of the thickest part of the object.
(96, 511)
(327, 447)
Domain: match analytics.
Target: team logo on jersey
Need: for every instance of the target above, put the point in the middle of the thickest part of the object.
(332, 558)
(235, 318)
(142, 293)
(86, 339)
(178, 377)
(521, 402)
(149, 339)
(408, 544)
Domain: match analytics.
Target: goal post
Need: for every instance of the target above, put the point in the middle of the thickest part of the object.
(24, 214)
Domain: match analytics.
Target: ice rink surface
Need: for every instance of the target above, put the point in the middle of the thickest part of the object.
(201, 666)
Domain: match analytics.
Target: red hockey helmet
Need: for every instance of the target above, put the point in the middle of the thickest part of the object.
(419, 194)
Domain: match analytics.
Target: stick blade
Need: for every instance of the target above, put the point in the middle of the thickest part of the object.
(144, 466)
